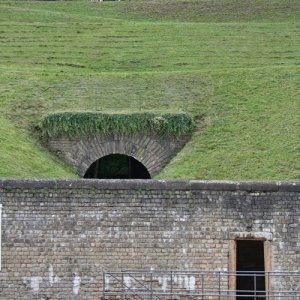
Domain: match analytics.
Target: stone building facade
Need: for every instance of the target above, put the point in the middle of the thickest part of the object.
(59, 235)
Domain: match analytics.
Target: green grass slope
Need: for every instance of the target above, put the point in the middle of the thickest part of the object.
(232, 64)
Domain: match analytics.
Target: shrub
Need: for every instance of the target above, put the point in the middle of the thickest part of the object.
(78, 124)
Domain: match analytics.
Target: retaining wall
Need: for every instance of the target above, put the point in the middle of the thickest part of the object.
(59, 235)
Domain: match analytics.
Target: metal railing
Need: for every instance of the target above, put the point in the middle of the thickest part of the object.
(200, 285)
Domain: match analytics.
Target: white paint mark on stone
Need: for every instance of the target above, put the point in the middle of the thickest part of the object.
(281, 245)
(222, 269)
(180, 218)
(52, 277)
(117, 233)
(76, 284)
(254, 194)
(189, 283)
(107, 279)
(163, 281)
(127, 281)
(192, 283)
(35, 283)
(178, 279)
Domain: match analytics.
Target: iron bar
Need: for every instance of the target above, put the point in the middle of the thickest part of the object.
(209, 295)
(172, 283)
(120, 281)
(122, 286)
(151, 286)
(202, 285)
(103, 287)
(219, 284)
(139, 282)
(254, 279)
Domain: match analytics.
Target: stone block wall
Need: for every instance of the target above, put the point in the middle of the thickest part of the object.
(59, 235)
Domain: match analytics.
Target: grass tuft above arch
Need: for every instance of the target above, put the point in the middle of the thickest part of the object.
(80, 124)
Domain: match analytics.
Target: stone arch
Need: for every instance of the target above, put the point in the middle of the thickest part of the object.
(154, 152)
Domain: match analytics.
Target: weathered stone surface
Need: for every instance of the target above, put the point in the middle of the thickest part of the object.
(154, 152)
(59, 235)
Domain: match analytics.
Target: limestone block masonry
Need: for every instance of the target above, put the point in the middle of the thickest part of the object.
(154, 152)
(59, 235)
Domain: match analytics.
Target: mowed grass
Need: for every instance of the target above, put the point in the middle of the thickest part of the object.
(21, 156)
(233, 65)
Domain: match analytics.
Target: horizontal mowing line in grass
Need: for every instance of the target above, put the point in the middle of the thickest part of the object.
(224, 69)
(248, 59)
(108, 69)
(135, 50)
(228, 41)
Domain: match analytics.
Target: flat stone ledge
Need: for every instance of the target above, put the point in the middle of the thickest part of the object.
(150, 184)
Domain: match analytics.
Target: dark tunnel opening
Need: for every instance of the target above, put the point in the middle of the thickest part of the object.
(117, 166)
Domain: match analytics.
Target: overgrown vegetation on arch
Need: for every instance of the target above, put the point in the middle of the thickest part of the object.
(81, 124)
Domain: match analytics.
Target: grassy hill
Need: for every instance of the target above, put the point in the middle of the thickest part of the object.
(235, 65)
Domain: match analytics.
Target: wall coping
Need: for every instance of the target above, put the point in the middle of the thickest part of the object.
(150, 184)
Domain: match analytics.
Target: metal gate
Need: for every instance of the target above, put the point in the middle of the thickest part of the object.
(200, 285)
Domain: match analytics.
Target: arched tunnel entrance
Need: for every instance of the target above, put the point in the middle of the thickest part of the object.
(117, 166)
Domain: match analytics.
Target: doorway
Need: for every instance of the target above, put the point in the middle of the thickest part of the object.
(117, 166)
(250, 269)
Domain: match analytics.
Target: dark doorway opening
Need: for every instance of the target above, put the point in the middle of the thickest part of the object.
(250, 267)
(117, 166)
